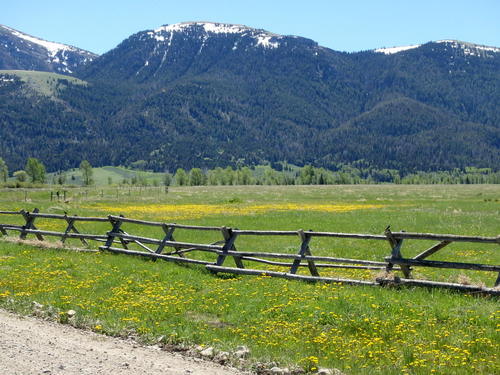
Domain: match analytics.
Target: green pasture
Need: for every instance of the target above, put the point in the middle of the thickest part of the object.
(355, 329)
(104, 176)
(44, 83)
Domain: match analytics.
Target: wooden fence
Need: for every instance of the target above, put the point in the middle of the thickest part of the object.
(117, 240)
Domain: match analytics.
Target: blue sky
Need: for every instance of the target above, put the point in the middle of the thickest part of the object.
(347, 25)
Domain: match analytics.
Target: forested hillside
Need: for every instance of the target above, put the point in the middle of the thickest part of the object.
(207, 95)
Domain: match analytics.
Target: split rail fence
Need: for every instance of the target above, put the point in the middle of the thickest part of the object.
(116, 240)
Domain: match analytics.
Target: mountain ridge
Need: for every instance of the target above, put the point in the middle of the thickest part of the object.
(203, 94)
(455, 43)
(16, 48)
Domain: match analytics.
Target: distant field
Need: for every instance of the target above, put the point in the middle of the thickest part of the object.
(359, 330)
(104, 175)
(44, 83)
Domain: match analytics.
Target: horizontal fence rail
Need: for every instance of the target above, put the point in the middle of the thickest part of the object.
(116, 240)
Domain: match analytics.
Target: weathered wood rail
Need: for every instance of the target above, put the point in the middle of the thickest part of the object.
(116, 240)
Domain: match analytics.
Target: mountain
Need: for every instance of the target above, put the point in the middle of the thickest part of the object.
(210, 94)
(454, 46)
(462, 78)
(21, 51)
(404, 134)
(172, 51)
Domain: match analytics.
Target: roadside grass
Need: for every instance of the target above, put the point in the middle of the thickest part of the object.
(360, 330)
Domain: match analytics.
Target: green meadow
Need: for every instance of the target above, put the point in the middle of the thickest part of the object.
(44, 83)
(359, 330)
(104, 176)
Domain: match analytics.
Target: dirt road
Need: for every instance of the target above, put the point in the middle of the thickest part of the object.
(32, 346)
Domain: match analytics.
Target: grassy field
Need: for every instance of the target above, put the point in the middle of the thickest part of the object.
(104, 175)
(360, 330)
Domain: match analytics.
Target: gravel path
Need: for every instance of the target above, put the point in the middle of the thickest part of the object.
(31, 346)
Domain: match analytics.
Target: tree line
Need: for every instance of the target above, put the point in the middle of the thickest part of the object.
(35, 172)
(274, 174)
(310, 175)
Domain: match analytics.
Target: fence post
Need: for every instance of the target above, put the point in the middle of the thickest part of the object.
(26, 225)
(115, 229)
(68, 229)
(228, 245)
(71, 227)
(169, 236)
(396, 252)
(304, 250)
(30, 220)
(227, 234)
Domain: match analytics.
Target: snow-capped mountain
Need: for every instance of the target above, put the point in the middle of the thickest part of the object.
(453, 46)
(170, 50)
(25, 52)
(470, 49)
(206, 30)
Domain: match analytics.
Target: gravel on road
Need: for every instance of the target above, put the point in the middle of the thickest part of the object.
(31, 346)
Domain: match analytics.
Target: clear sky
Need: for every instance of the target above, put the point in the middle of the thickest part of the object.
(344, 25)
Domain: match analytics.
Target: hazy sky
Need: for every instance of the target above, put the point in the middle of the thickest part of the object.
(347, 25)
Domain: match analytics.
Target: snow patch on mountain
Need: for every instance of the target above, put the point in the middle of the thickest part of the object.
(392, 50)
(60, 55)
(470, 49)
(159, 38)
(52, 47)
(262, 38)
(209, 27)
(265, 41)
